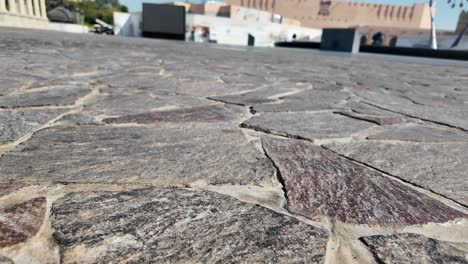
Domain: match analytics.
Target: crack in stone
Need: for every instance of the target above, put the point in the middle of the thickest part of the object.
(272, 132)
(357, 118)
(400, 179)
(374, 254)
(416, 117)
(279, 177)
(224, 102)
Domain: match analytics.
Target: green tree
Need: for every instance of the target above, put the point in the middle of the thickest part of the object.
(101, 9)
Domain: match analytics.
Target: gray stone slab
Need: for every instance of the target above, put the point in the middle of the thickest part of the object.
(319, 182)
(78, 120)
(179, 226)
(16, 123)
(50, 97)
(256, 97)
(247, 78)
(205, 88)
(421, 133)
(307, 125)
(441, 168)
(208, 114)
(308, 100)
(412, 248)
(453, 115)
(139, 103)
(361, 110)
(165, 155)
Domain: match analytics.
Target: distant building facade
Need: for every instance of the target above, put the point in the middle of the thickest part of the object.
(226, 24)
(389, 21)
(23, 13)
(341, 14)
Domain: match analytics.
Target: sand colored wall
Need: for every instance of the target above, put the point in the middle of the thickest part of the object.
(217, 10)
(23, 13)
(462, 22)
(329, 14)
(207, 9)
(192, 8)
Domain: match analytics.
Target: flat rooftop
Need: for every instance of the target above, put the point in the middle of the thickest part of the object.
(139, 151)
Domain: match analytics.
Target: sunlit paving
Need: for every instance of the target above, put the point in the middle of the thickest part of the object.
(243, 131)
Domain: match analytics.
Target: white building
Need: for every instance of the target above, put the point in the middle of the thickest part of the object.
(231, 29)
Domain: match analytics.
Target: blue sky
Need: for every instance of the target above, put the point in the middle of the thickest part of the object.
(446, 17)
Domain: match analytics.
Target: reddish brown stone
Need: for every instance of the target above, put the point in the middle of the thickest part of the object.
(212, 113)
(9, 236)
(21, 221)
(319, 182)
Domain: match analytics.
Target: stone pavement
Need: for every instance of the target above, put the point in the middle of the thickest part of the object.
(119, 150)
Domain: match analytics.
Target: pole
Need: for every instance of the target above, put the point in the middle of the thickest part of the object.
(433, 37)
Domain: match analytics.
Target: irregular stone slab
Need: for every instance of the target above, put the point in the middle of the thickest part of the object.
(212, 113)
(179, 226)
(308, 100)
(131, 81)
(363, 111)
(138, 103)
(412, 248)
(307, 125)
(319, 182)
(453, 115)
(167, 155)
(441, 168)
(456, 116)
(53, 96)
(243, 78)
(253, 97)
(379, 120)
(78, 120)
(21, 221)
(204, 88)
(16, 123)
(421, 133)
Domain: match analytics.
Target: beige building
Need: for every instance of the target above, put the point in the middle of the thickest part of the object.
(343, 14)
(23, 13)
(370, 19)
(462, 22)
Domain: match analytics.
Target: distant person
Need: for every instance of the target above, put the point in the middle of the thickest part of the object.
(378, 39)
(192, 35)
(294, 37)
(206, 36)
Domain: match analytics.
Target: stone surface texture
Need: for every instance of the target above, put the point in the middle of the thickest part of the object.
(212, 113)
(411, 248)
(172, 155)
(441, 168)
(20, 221)
(319, 182)
(134, 150)
(177, 225)
(310, 126)
(15, 124)
(53, 96)
(421, 133)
